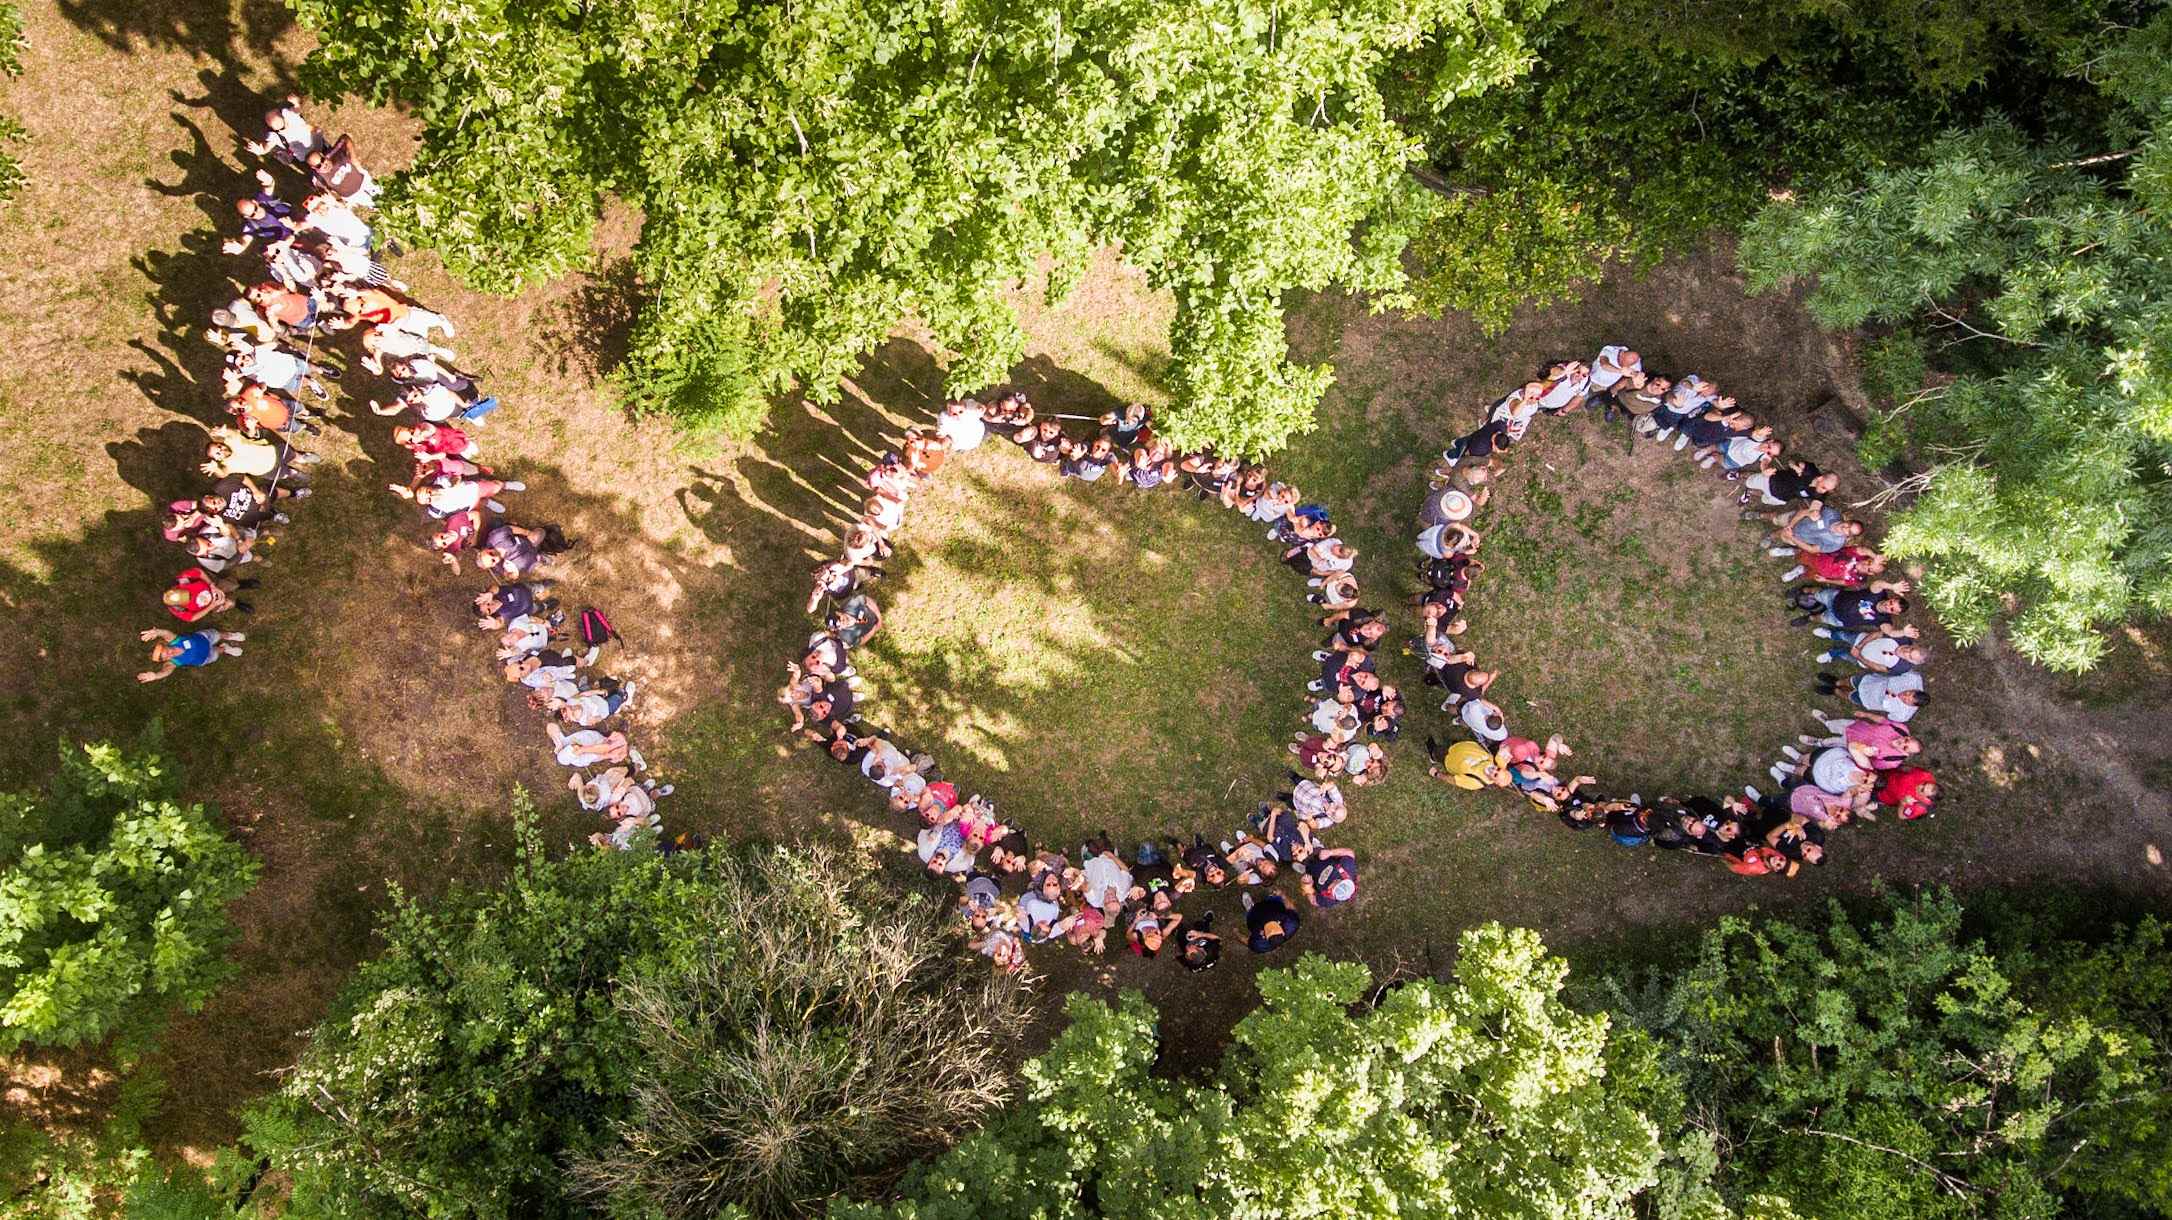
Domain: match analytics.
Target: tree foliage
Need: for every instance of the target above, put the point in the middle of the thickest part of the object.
(811, 1038)
(12, 43)
(1483, 1097)
(113, 900)
(1890, 1066)
(812, 173)
(1646, 123)
(644, 1035)
(2034, 277)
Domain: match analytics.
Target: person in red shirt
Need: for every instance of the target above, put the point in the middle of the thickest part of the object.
(1911, 790)
(197, 595)
(440, 440)
(1850, 567)
(282, 308)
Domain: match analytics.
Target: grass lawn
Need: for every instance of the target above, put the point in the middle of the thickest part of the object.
(1090, 657)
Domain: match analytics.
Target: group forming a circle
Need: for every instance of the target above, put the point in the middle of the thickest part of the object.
(1860, 760)
(1011, 895)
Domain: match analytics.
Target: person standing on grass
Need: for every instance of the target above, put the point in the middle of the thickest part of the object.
(334, 169)
(288, 137)
(197, 594)
(1816, 527)
(963, 424)
(192, 651)
(1330, 877)
(1270, 920)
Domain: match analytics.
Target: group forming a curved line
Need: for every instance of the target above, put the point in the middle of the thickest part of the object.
(1011, 895)
(1861, 760)
(321, 281)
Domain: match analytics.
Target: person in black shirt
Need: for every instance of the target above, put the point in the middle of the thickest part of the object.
(1202, 948)
(1206, 863)
(1270, 920)
(1011, 853)
(1788, 485)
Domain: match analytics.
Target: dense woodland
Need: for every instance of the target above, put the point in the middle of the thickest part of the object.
(1971, 196)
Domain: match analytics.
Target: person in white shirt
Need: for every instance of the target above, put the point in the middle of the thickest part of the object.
(962, 424)
(1519, 408)
(1568, 384)
(325, 213)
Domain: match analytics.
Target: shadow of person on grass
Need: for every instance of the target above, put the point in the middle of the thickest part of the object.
(227, 32)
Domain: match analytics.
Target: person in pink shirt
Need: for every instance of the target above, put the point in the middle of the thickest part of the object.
(1874, 744)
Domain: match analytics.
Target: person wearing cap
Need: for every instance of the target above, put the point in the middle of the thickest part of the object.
(1271, 920)
(1449, 504)
(1330, 877)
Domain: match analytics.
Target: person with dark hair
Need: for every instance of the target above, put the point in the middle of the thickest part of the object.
(1270, 920)
(509, 552)
(1043, 441)
(1202, 948)
(1206, 863)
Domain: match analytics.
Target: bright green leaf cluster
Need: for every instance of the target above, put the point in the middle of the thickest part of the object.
(1890, 1066)
(811, 174)
(12, 43)
(1485, 1097)
(113, 900)
(1645, 124)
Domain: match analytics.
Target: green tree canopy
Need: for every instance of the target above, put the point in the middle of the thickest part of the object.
(1485, 1097)
(2031, 279)
(1644, 124)
(1890, 1066)
(812, 173)
(629, 1033)
(113, 900)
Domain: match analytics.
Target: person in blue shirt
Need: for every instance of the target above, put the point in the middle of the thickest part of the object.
(194, 650)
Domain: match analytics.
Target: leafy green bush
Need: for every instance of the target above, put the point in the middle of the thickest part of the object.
(112, 901)
(1483, 1097)
(12, 43)
(1889, 1066)
(657, 1036)
(1646, 124)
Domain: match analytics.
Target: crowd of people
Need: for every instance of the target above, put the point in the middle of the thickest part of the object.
(321, 281)
(1013, 893)
(1855, 763)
